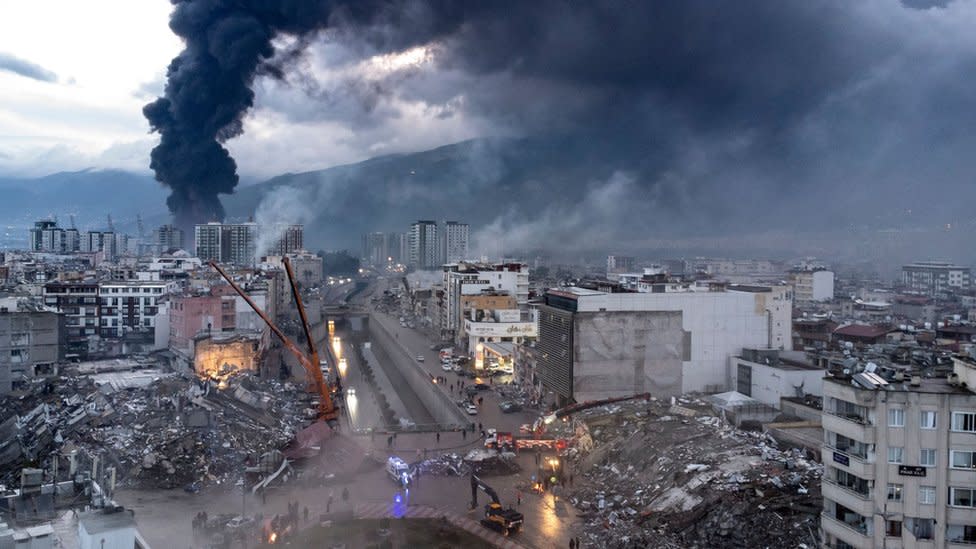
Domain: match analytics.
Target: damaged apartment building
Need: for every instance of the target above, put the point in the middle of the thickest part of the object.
(31, 341)
(900, 458)
(673, 339)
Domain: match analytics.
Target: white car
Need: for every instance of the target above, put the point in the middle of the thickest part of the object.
(420, 358)
(446, 366)
(351, 391)
(471, 409)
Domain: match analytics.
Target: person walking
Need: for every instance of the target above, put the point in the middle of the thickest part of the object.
(518, 497)
(345, 494)
(438, 437)
(464, 434)
(572, 543)
(306, 514)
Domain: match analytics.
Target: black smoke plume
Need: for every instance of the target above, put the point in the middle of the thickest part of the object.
(208, 89)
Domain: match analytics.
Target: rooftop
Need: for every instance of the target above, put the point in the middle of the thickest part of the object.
(862, 330)
(107, 520)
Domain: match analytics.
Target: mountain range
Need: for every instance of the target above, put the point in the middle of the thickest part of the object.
(565, 193)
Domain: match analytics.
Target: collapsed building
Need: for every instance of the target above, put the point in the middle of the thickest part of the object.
(663, 475)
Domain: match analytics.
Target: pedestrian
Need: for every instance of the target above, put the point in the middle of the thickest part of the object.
(264, 496)
(578, 545)
(572, 543)
(389, 441)
(345, 494)
(306, 514)
(464, 434)
(328, 504)
(518, 497)
(438, 437)
(480, 428)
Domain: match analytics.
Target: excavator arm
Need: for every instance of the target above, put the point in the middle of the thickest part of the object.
(327, 410)
(477, 483)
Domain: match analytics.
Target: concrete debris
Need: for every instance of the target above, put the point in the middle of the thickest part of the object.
(157, 431)
(672, 475)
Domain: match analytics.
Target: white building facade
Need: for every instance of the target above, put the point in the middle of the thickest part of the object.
(131, 306)
(597, 345)
(900, 461)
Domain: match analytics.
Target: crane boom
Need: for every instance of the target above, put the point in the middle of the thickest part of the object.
(327, 410)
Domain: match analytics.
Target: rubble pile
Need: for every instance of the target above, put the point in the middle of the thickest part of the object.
(662, 475)
(477, 461)
(172, 432)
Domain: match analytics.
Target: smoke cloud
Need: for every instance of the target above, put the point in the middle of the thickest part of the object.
(854, 110)
(282, 207)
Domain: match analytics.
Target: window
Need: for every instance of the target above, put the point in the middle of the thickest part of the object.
(896, 417)
(962, 459)
(896, 454)
(894, 492)
(926, 420)
(964, 421)
(923, 528)
(927, 457)
(926, 495)
(961, 497)
(963, 533)
(893, 529)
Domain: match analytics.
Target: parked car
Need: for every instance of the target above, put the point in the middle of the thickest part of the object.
(482, 386)
(420, 358)
(471, 409)
(456, 369)
(446, 366)
(508, 407)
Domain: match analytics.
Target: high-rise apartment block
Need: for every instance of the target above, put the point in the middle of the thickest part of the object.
(167, 237)
(226, 242)
(454, 242)
(291, 239)
(375, 249)
(620, 264)
(899, 457)
(423, 245)
(934, 278)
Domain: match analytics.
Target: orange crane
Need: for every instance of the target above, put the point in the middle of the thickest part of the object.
(310, 361)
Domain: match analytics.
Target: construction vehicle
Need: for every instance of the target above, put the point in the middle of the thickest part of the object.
(497, 518)
(327, 409)
(539, 427)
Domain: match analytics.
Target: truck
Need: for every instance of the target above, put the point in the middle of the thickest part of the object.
(497, 518)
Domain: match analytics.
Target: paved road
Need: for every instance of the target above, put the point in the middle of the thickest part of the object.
(164, 516)
(489, 415)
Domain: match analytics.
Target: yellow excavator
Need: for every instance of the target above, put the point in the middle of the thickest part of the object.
(497, 518)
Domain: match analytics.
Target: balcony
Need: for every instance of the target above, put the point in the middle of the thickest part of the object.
(852, 535)
(855, 501)
(852, 427)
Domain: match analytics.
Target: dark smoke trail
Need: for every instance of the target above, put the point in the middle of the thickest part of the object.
(208, 92)
(229, 42)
